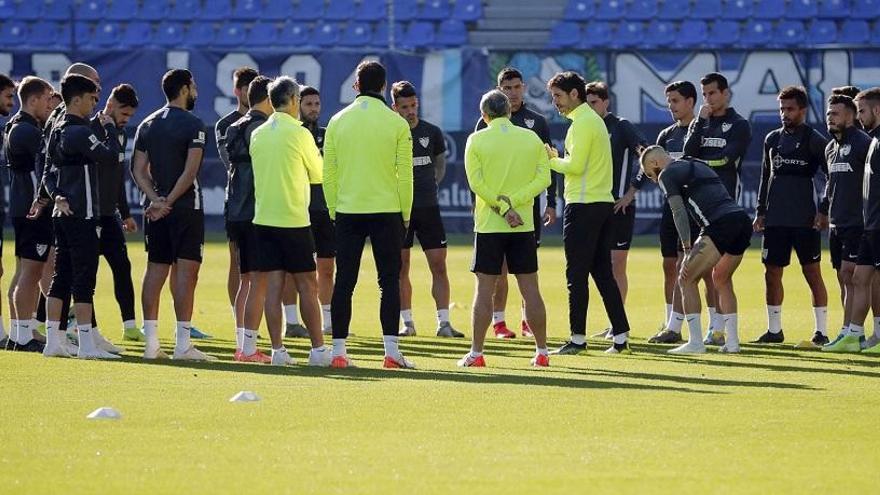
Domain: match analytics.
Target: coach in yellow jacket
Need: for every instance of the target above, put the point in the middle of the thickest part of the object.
(368, 185)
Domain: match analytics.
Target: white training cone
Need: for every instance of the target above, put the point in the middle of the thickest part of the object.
(244, 396)
(105, 413)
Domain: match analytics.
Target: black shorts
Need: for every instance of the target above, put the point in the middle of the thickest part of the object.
(778, 242)
(869, 249)
(285, 249)
(324, 233)
(517, 248)
(844, 244)
(178, 236)
(245, 238)
(622, 225)
(33, 238)
(731, 234)
(426, 223)
(670, 243)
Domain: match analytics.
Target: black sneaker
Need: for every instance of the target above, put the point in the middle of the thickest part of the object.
(570, 349)
(770, 338)
(33, 345)
(819, 339)
(5, 343)
(666, 337)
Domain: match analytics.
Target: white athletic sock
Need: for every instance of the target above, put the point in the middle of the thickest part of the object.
(668, 313)
(716, 320)
(475, 353)
(151, 333)
(2, 329)
(129, 324)
(25, 334)
(675, 322)
(621, 338)
(523, 311)
(391, 348)
(248, 342)
(54, 336)
(542, 351)
(325, 313)
(578, 339)
(821, 314)
(291, 315)
(731, 324)
(13, 330)
(97, 335)
(774, 319)
(695, 328)
(86, 342)
(239, 337)
(856, 330)
(338, 347)
(442, 316)
(877, 326)
(181, 336)
(497, 317)
(406, 315)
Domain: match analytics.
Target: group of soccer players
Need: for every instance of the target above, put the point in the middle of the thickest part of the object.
(301, 201)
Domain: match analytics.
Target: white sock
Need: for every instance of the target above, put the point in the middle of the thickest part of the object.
(54, 336)
(13, 330)
(406, 315)
(713, 318)
(578, 339)
(291, 315)
(475, 352)
(129, 324)
(695, 328)
(877, 326)
(391, 348)
(151, 333)
(675, 322)
(542, 351)
(24, 334)
(731, 324)
(239, 337)
(856, 330)
(86, 342)
(248, 342)
(523, 311)
(181, 336)
(338, 347)
(821, 315)
(497, 317)
(621, 338)
(442, 316)
(97, 336)
(325, 313)
(668, 312)
(774, 319)
(2, 329)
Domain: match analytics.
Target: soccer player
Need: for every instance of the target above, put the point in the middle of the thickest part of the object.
(33, 237)
(74, 154)
(626, 146)
(510, 82)
(368, 185)
(786, 212)
(586, 224)
(868, 106)
(681, 98)
(725, 235)
(506, 168)
(169, 146)
(7, 95)
(841, 206)
(285, 159)
(720, 137)
(241, 79)
(240, 196)
(429, 166)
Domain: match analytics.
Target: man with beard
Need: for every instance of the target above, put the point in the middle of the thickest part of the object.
(7, 93)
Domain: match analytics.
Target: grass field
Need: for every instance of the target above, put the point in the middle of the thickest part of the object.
(771, 420)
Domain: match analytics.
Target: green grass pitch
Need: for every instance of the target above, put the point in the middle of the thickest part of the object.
(771, 420)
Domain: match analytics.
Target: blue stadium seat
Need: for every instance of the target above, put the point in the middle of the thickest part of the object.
(724, 34)
(122, 10)
(418, 35)
(46, 34)
(262, 34)
(737, 10)
(371, 11)
(357, 34)
(452, 33)
(14, 33)
(7, 9)
(29, 11)
(169, 34)
(692, 34)
(595, 35)
(802, 9)
(91, 10)
(276, 10)
(769, 9)
(248, 10)
(186, 9)
(380, 35)
(231, 34)
(580, 10)
(434, 10)
(154, 10)
(137, 34)
(405, 10)
(756, 34)
(628, 34)
(216, 10)
(823, 32)
(326, 34)
(708, 10)
(339, 10)
(674, 10)
(611, 10)
(564, 35)
(308, 10)
(834, 9)
(295, 34)
(641, 10)
(106, 34)
(854, 33)
(660, 34)
(865, 9)
(200, 34)
(875, 34)
(82, 35)
(788, 34)
(467, 10)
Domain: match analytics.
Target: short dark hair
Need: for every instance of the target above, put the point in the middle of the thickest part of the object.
(6, 82)
(842, 100)
(308, 91)
(258, 90)
(598, 88)
(174, 81)
(508, 73)
(402, 89)
(569, 80)
(717, 78)
(32, 86)
(796, 93)
(870, 94)
(684, 88)
(125, 95)
(851, 91)
(74, 85)
(370, 76)
(243, 76)
(283, 91)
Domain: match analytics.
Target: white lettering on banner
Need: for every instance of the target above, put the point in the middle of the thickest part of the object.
(50, 66)
(636, 78)
(747, 85)
(454, 196)
(226, 101)
(304, 68)
(5, 63)
(536, 96)
(347, 93)
(177, 59)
